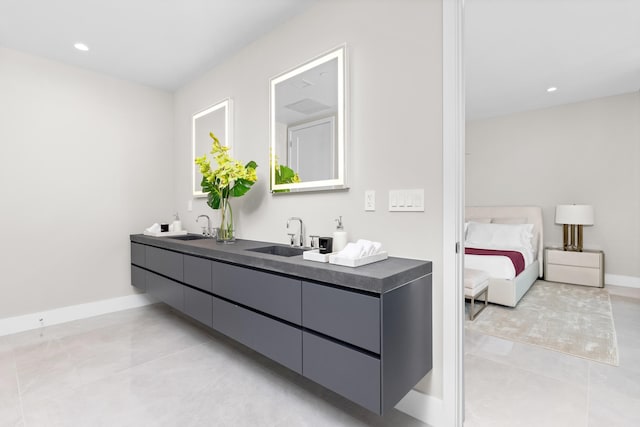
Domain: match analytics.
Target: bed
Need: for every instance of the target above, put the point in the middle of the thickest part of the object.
(506, 285)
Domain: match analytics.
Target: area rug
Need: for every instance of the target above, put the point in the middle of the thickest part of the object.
(568, 318)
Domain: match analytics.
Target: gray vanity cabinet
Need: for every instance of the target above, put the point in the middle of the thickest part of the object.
(166, 290)
(341, 342)
(197, 272)
(139, 278)
(269, 293)
(138, 254)
(347, 371)
(349, 316)
(167, 263)
(198, 305)
(276, 340)
(368, 345)
(138, 274)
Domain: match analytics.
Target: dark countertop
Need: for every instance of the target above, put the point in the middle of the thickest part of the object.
(378, 277)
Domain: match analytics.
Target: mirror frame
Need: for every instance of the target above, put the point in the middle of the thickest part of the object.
(339, 183)
(225, 104)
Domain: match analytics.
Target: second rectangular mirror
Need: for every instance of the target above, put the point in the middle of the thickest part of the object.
(308, 138)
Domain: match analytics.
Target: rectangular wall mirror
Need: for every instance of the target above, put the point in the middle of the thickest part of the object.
(307, 124)
(216, 119)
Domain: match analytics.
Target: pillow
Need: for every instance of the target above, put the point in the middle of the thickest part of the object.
(500, 235)
(509, 220)
(534, 238)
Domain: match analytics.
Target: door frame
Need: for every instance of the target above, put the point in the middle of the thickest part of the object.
(453, 170)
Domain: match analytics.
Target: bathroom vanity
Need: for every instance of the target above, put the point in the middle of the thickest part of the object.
(364, 332)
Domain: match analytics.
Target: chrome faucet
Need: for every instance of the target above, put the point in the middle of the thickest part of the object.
(206, 231)
(301, 241)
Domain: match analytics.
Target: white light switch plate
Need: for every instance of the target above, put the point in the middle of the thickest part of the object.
(406, 200)
(370, 200)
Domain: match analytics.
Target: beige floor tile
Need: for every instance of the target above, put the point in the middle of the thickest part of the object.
(503, 395)
(202, 382)
(531, 358)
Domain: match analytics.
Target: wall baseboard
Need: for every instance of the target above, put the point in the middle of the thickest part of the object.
(423, 407)
(618, 280)
(12, 325)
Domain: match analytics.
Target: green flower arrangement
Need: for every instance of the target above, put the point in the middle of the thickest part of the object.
(230, 179)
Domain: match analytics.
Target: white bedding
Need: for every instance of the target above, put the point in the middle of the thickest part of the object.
(509, 291)
(499, 267)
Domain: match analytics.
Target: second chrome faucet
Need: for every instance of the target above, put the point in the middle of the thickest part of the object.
(301, 239)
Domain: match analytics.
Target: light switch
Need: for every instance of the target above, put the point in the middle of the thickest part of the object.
(393, 199)
(190, 205)
(406, 200)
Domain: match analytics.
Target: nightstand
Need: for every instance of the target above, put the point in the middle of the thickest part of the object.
(579, 268)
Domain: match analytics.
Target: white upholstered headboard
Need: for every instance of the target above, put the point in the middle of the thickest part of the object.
(530, 215)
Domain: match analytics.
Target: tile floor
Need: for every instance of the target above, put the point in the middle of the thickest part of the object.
(513, 384)
(152, 367)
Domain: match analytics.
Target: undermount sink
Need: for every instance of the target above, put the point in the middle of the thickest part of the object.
(279, 250)
(187, 237)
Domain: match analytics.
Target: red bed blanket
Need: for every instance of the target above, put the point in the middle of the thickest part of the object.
(516, 257)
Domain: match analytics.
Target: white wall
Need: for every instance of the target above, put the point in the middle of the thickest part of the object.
(395, 60)
(587, 152)
(85, 160)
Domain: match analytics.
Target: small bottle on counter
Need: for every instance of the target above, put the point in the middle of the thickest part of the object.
(177, 224)
(339, 236)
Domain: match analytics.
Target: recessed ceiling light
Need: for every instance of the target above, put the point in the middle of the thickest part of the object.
(552, 89)
(81, 46)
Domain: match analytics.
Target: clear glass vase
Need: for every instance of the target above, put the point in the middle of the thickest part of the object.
(226, 233)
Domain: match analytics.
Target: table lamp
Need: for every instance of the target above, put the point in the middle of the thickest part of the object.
(572, 218)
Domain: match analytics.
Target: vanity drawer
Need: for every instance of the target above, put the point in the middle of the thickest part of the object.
(166, 290)
(137, 254)
(139, 278)
(346, 371)
(197, 272)
(164, 262)
(276, 340)
(198, 305)
(269, 293)
(348, 316)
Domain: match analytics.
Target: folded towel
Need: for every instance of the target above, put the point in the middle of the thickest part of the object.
(369, 248)
(377, 248)
(351, 251)
(360, 249)
(366, 247)
(155, 228)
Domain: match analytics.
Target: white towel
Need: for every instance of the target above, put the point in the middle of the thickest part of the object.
(155, 228)
(360, 249)
(369, 248)
(351, 251)
(366, 247)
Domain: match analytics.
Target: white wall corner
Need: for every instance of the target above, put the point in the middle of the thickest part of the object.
(423, 407)
(26, 322)
(619, 280)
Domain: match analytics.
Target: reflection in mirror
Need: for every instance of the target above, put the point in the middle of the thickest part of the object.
(308, 126)
(216, 119)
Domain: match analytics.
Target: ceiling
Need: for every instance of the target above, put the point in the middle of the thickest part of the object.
(163, 43)
(516, 49)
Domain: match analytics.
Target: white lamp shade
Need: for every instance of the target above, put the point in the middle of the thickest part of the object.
(574, 214)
